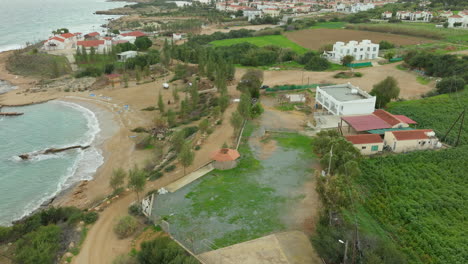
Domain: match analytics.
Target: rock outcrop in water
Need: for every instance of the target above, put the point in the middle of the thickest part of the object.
(50, 151)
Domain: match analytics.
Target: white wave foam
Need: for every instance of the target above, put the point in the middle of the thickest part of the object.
(85, 164)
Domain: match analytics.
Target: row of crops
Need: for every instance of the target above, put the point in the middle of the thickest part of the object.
(420, 198)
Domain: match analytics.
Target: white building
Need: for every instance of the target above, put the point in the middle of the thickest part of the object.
(252, 13)
(458, 21)
(63, 41)
(387, 15)
(446, 14)
(364, 50)
(425, 16)
(124, 56)
(273, 12)
(344, 99)
(100, 46)
(403, 15)
(359, 7)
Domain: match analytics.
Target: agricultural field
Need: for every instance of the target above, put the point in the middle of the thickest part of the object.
(316, 38)
(329, 25)
(424, 30)
(277, 40)
(419, 199)
(258, 197)
(438, 113)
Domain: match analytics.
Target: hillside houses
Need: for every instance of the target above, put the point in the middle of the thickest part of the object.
(423, 16)
(458, 21)
(101, 44)
(364, 50)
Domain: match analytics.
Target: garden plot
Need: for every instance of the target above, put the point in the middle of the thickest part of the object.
(256, 198)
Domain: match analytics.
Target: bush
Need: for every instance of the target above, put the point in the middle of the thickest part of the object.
(125, 259)
(40, 246)
(89, 72)
(386, 45)
(90, 218)
(139, 130)
(154, 175)
(317, 64)
(135, 210)
(163, 250)
(170, 168)
(188, 131)
(126, 226)
(197, 147)
(5, 233)
(358, 74)
(145, 142)
(450, 85)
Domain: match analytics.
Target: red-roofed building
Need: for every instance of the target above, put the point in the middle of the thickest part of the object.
(379, 119)
(92, 36)
(100, 46)
(225, 159)
(55, 43)
(67, 35)
(409, 140)
(134, 34)
(367, 144)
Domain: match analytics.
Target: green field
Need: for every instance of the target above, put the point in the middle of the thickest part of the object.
(438, 113)
(276, 40)
(330, 25)
(425, 30)
(419, 199)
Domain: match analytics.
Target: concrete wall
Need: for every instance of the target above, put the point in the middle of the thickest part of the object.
(366, 149)
(399, 146)
(224, 165)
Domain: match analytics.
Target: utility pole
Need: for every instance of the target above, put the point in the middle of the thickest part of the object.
(345, 257)
(329, 161)
(461, 127)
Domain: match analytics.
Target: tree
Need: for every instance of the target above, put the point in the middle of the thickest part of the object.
(348, 59)
(446, 24)
(178, 140)
(136, 181)
(171, 118)
(383, 45)
(389, 55)
(126, 226)
(317, 63)
(125, 80)
(194, 96)
(116, 32)
(223, 102)
(236, 120)
(117, 179)
(138, 73)
(256, 110)
(160, 103)
(251, 82)
(244, 106)
(143, 43)
(385, 91)
(186, 155)
(450, 85)
(203, 126)
(175, 94)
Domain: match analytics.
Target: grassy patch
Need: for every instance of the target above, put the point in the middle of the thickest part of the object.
(329, 25)
(231, 206)
(287, 106)
(39, 65)
(401, 67)
(423, 80)
(337, 67)
(276, 40)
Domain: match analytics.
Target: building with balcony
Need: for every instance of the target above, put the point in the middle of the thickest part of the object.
(344, 99)
(364, 50)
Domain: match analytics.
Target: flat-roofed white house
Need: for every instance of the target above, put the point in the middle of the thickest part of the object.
(124, 56)
(387, 15)
(345, 99)
(425, 16)
(364, 50)
(403, 15)
(409, 140)
(458, 21)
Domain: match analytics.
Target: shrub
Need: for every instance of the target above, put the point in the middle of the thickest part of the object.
(163, 250)
(139, 130)
(145, 142)
(154, 175)
(5, 233)
(358, 74)
(188, 131)
(125, 259)
(197, 147)
(40, 246)
(89, 72)
(170, 168)
(135, 210)
(317, 64)
(90, 218)
(386, 45)
(125, 227)
(149, 108)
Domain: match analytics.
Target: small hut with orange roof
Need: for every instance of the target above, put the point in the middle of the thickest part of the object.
(225, 159)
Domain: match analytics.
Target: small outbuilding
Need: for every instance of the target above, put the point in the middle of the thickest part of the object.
(225, 159)
(367, 144)
(124, 56)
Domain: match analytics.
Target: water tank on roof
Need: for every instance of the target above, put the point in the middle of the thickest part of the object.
(430, 134)
(354, 91)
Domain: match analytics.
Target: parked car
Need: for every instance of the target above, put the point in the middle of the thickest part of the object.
(264, 87)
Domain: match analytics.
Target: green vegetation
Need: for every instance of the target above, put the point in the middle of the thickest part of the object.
(423, 80)
(276, 40)
(437, 113)
(126, 226)
(288, 106)
(385, 91)
(28, 63)
(425, 30)
(39, 238)
(163, 250)
(420, 201)
(329, 25)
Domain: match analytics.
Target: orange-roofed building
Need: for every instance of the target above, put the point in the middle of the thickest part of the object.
(225, 159)
(409, 140)
(367, 144)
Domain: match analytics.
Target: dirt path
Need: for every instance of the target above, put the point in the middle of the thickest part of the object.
(102, 245)
(409, 87)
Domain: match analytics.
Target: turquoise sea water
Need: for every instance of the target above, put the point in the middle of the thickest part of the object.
(24, 21)
(25, 185)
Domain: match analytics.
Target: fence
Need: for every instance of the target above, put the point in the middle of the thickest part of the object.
(361, 64)
(293, 87)
(396, 59)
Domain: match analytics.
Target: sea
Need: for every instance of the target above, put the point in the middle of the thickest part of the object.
(25, 185)
(30, 21)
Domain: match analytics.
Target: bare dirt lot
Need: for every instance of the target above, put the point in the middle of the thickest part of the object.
(316, 38)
